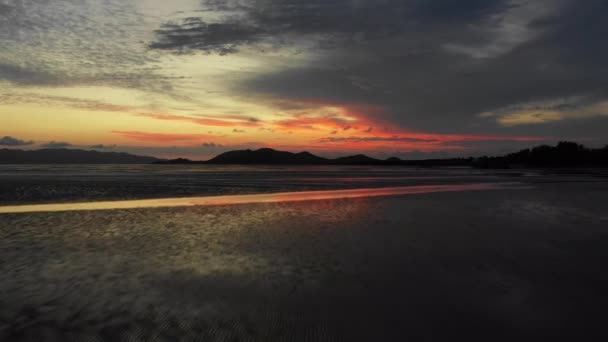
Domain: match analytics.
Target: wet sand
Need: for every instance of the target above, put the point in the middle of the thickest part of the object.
(525, 264)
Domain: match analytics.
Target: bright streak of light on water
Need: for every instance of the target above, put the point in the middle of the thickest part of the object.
(249, 199)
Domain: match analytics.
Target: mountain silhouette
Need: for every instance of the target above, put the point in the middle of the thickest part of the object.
(267, 156)
(564, 154)
(70, 156)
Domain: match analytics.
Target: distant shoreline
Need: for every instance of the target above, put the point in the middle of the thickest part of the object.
(563, 155)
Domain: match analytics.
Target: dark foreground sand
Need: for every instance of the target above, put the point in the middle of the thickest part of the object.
(499, 265)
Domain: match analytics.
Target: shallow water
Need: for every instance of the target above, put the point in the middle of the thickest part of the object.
(70, 183)
(297, 196)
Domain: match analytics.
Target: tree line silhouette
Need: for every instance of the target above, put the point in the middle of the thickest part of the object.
(564, 154)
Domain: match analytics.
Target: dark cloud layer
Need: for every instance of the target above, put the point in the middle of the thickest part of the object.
(67, 43)
(335, 23)
(102, 147)
(23, 76)
(434, 65)
(57, 144)
(10, 141)
(376, 139)
(211, 145)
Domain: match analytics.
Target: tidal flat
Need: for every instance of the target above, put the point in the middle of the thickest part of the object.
(524, 261)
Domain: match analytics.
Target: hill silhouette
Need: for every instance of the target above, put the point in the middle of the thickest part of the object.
(267, 156)
(70, 156)
(564, 154)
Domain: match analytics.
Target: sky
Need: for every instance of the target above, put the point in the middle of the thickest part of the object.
(406, 78)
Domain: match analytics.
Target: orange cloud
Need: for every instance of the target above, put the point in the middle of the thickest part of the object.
(471, 137)
(335, 118)
(320, 127)
(225, 121)
(410, 139)
(162, 137)
(317, 116)
(313, 123)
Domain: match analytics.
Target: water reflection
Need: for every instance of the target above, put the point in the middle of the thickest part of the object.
(248, 199)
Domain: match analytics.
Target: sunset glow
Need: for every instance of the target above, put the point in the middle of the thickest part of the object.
(148, 77)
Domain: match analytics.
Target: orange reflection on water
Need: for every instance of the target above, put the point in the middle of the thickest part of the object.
(246, 199)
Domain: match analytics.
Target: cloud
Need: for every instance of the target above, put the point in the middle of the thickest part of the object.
(332, 121)
(102, 147)
(57, 144)
(315, 67)
(329, 23)
(425, 139)
(161, 137)
(223, 121)
(511, 52)
(23, 76)
(238, 131)
(530, 118)
(78, 42)
(195, 34)
(376, 139)
(10, 141)
(537, 113)
(17, 97)
(211, 145)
